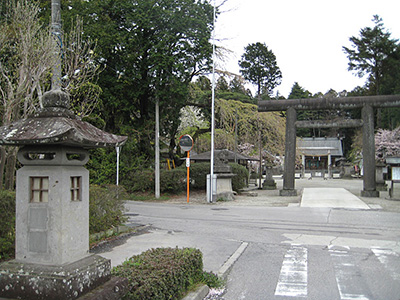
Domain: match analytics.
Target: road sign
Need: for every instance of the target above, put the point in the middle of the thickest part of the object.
(186, 142)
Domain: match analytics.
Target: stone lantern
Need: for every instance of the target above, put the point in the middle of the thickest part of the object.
(52, 259)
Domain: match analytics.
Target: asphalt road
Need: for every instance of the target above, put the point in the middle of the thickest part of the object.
(292, 253)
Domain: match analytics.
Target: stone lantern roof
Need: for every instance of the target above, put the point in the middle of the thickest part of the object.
(55, 124)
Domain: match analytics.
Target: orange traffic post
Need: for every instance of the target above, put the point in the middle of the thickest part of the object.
(187, 180)
(186, 144)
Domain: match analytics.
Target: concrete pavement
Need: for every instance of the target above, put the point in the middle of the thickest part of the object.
(219, 255)
(331, 197)
(215, 251)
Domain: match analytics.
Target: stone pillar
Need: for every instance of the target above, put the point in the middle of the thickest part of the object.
(52, 230)
(303, 166)
(369, 189)
(290, 154)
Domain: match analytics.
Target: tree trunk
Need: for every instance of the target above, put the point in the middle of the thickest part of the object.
(10, 169)
(2, 165)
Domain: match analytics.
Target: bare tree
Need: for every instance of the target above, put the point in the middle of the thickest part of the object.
(25, 61)
(81, 71)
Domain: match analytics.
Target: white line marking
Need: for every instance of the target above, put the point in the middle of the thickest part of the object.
(333, 241)
(293, 277)
(384, 257)
(346, 274)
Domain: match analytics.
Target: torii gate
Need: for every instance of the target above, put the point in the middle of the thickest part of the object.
(367, 104)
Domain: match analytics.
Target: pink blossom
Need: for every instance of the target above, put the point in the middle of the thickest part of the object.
(387, 143)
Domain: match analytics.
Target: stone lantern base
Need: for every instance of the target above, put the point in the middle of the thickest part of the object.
(288, 192)
(224, 187)
(33, 281)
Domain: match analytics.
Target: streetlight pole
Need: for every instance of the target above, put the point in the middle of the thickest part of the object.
(157, 164)
(211, 194)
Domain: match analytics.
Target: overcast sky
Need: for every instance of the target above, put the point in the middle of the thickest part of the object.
(306, 36)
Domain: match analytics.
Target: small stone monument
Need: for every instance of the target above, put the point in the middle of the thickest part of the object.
(269, 182)
(224, 175)
(380, 181)
(52, 259)
(394, 163)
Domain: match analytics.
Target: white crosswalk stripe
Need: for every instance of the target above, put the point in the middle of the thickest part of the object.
(386, 257)
(351, 272)
(347, 276)
(293, 276)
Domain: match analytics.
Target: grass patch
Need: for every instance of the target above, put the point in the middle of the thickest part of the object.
(148, 197)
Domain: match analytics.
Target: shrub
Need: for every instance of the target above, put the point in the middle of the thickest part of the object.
(105, 207)
(162, 273)
(139, 181)
(7, 224)
(212, 280)
(198, 175)
(199, 171)
(242, 176)
(172, 181)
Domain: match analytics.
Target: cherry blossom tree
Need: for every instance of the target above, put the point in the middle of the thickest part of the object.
(387, 143)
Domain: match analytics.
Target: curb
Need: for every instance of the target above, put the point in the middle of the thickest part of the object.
(198, 294)
(227, 266)
(223, 272)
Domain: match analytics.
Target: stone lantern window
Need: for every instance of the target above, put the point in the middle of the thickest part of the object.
(76, 184)
(39, 189)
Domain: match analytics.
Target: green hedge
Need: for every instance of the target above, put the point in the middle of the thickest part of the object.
(199, 171)
(163, 273)
(241, 179)
(174, 181)
(106, 209)
(7, 224)
(198, 175)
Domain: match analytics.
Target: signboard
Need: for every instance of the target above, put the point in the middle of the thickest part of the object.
(186, 142)
(395, 173)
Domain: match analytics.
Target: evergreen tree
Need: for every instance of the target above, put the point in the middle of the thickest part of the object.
(258, 65)
(368, 53)
(150, 51)
(375, 54)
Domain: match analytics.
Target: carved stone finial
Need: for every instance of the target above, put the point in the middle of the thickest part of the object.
(56, 98)
(56, 103)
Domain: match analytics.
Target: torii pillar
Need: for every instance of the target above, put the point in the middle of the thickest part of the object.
(368, 135)
(367, 104)
(290, 154)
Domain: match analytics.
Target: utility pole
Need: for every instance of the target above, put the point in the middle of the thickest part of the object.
(57, 35)
(211, 194)
(236, 135)
(157, 166)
